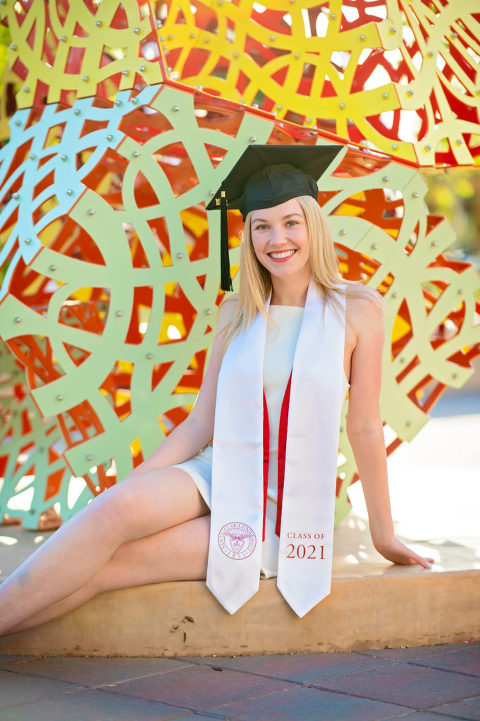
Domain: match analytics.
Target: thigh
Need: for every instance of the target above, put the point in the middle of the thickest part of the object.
(150, 502)
(179, 553)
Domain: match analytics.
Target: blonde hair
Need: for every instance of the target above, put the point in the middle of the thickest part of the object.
(256, 283)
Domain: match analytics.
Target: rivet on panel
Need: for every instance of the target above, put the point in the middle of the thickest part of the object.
(434, 243)
(159, 24)
(193, 36)
(362, 36)
(206, 39)
(459, 141)
(308, 120)
(211, 193)
(33, 156)
(135, 154)
(142, 68)
(109, 137)
(134, 101)
(415, 195)
(296, 55)
(460, 291)
(89, 458)
(85, 78)
(15, 196)
(119, 313)
(149, 356)
(208, 311)
(52, 268)
(64, 157)
(374, 246)
(76, 111)
(454, 375)
(236, 54)
(180, 256)
(394, 146)
(170, 37)
(125, 72)
(98, 23)
(430, 54)
(136, 30)
(333, 16)
(393, 30)
(63, 38)
(394, 294)
(385, 95)
(12, 47)
(28, 241)
(175, 108)
(342, 232)
(17, 123)
(272, 38)
(118, 103)
(91, 211)
(410, 92)
(252, 139)
(428, 147)
(26, 89)
(341, 106)
(17, 319)
(385, 179)
(59, 397)
(69, 191)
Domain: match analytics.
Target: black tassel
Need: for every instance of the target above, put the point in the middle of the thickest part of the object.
(225, 277)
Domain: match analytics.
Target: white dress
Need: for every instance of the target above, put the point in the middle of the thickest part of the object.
(279, 352)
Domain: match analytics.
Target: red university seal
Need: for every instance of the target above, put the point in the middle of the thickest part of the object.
(237, 540)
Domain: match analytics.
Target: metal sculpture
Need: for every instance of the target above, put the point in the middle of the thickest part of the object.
(111, 274)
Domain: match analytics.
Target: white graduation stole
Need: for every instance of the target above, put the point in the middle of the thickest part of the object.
(316, 399)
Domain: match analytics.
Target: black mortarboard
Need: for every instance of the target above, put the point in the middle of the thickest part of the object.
(265, 176)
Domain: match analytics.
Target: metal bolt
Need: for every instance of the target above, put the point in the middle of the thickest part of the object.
(272, 38)
(134, 101)
(180, 256)
(158, 23)
(402, 359)
(69, 191)
(459, 141)
(17, 123)
(142, 68)
(279, 107)
(119, 313)
(308, 120)
(15, 196)
(394, 294)
(89, 458)
(124, 72)
(136, 30)
(206, 39)
(362, 36)
(386, 179)
(428, 146)
(17, 319)
(135, 154)
(85, 78)
(193, 36)
(59, 397)
(26, 89)
(393, 30)
(333, 16)
(211, 193)
(76, 111)
(374, 246)
(430, 54)
(255, 105)
(63, 38)
(385, 95)
(109, 137)
(461, 291)
(341, 106)
(64, 157)
(91, 211)
(296, 55)
(434, 243)
(408, 423)
(33, 156)
(98, 23)
(415, 195)
(342, 232)
(252, 139)
(236, 54)
(12, 47)
(118, 103)
(410, 92)
(175, 108)
(149, 356)
(52, 268)
(208, 311)
(454, 35)
(394, 146)
(28, 241)
(170, 37)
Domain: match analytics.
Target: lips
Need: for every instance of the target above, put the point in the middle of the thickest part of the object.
(281, 254)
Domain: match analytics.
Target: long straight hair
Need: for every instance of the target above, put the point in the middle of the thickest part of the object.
(255, 284)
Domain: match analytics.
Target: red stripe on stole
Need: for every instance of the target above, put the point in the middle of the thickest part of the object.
(282, 444)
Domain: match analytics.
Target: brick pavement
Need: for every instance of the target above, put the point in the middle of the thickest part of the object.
(433, 683)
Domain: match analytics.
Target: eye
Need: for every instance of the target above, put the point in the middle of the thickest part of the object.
(260, 226)
(291, 223)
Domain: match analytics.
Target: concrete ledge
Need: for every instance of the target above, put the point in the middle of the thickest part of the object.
(412, 608)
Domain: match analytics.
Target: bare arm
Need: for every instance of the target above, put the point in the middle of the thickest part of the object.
(365, 431)
(196, 431)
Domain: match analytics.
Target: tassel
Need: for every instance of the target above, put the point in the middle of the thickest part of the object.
(225, 278)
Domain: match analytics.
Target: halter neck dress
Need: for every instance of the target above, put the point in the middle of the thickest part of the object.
(280, 346)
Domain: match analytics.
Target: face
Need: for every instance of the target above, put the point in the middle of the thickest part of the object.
(280, 239)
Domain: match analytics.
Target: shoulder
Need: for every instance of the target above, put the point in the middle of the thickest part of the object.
(227, 310)
(365, 309)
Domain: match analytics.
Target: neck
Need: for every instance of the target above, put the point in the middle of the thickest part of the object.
(289, 291)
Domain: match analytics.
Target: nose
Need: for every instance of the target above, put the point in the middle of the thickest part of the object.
(277, 236)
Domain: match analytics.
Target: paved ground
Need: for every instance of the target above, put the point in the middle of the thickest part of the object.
(416, 684)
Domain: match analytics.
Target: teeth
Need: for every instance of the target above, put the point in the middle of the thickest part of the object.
(282, 254)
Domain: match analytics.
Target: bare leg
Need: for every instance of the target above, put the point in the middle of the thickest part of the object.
(176, 554)
(138, 506)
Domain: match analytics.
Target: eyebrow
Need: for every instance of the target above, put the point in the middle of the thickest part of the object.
(256, 220)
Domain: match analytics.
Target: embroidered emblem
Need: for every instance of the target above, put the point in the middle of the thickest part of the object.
(237, 540)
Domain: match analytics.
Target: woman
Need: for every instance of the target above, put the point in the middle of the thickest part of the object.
(155, 525)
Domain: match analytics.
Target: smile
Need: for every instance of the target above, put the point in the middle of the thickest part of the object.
(281, 254)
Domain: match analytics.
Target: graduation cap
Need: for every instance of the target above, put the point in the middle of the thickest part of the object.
(265, 176)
